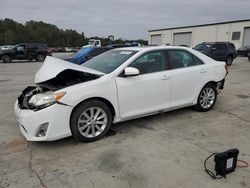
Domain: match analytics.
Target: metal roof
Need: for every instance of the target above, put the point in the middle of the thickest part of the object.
(199, 25)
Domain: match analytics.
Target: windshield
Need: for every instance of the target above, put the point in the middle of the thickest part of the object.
(109, 61)
(82, 52)
(202, 46)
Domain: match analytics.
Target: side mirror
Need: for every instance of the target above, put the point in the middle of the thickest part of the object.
(131, 71)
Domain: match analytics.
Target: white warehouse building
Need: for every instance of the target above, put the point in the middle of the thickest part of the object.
(237, 32)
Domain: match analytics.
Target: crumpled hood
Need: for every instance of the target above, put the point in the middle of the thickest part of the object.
(53, 66)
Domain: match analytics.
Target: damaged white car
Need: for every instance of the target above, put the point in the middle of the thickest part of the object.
(121, 84)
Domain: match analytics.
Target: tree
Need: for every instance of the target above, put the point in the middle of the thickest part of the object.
(9, 37)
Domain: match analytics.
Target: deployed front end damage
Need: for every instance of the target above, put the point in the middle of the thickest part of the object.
(64, 79)
(38, 124)
(54, 75)
(67, 78)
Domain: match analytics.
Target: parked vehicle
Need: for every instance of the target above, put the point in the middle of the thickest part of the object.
(115, 86)
(244, 51)
(119, 45)
(25, 51)
(93, 43)
(220, 51)
(86, 54)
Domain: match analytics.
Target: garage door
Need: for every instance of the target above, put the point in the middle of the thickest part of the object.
(246, 39)
(156, 40)
(182, 39)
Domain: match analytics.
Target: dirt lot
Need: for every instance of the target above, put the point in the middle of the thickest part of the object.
(165, 150)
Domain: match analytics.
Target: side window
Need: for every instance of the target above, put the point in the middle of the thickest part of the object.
(180, 58)
(221, 47)
(150, 62)
(197, 61)
(20, 48)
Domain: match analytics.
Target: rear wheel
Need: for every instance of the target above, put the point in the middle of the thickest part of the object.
(6, 59)
(229, 60)
(40, 57)
(207, 98)
(90, 121)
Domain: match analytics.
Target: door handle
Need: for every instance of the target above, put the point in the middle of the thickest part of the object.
(203, 71)
(166, 77)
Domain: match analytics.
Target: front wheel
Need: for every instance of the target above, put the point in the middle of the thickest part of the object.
(6, 59)
(207, 98)
(40, 57)
(90, 121)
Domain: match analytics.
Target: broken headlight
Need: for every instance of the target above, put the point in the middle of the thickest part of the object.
(45, 99)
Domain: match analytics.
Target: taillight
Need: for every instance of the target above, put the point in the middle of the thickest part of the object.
(226, 68)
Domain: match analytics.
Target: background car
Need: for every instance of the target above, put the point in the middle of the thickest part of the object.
(86, 54)
(115, 86)
(118, 45)
(220, 51)
(244, 51)
(25, 51)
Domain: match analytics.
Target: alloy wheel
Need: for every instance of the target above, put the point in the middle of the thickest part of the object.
(92, 122)
(207, 98)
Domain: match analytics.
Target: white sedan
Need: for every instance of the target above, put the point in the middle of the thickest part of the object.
(121, 84)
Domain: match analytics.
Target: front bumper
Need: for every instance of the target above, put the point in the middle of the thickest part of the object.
(56, 116)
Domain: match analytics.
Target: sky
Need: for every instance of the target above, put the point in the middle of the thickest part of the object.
(127, 19)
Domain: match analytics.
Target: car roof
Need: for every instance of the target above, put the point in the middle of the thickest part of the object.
(147, 48)
(216, 43)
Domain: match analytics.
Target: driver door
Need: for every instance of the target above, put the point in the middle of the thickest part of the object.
(147, 92)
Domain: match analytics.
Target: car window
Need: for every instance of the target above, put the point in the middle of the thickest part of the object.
(202, 46)
(96, 52)
(108, 61)
(150, 62)
(20, 48)
(180, 59)
(221, 46)
(197, 61)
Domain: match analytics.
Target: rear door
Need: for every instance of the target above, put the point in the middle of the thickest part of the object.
(147, 92)
(188, 73)
(21, 52)
(219, 52)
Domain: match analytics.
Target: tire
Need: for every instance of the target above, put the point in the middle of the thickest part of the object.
(6, 59)
(40, 57)
(248, 55)
(84, 118)
(207, 98)
(229, 60)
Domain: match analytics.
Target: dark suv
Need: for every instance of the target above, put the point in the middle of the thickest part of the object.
(220, 51)
(25, 51)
